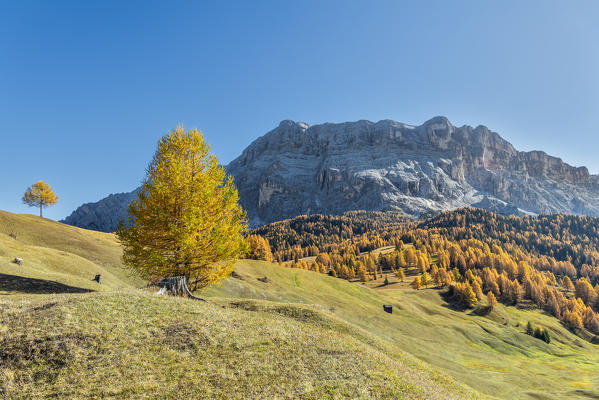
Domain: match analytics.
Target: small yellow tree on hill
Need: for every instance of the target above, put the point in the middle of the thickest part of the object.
(491, 300)
(401, 274)
(426, 279)
(259, 248)
(40, 195)
(416, 283)
(567, 283)
(362, 274)
(469, 296)
(186, 220)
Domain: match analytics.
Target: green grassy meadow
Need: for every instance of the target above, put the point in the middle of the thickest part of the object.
(57, 258)
(491, 353)
(298, 335)
(134, 344)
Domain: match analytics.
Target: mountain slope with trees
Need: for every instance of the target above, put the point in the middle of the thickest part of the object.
(91, 342)
(489, 351)
(549, 261)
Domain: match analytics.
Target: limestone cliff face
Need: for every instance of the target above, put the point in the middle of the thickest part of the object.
(332, 168)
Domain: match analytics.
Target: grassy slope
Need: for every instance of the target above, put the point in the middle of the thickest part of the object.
(490, 353)
(63, 258)
(340, 344)
(138, 345)
(126, 343)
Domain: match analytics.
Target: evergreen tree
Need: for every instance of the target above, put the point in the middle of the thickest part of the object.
(317, 267)
(538, 333)
(477, 290)
(546, 336)
(529, 329)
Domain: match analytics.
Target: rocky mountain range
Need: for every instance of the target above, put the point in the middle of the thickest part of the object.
(332, 168)
(103, 215)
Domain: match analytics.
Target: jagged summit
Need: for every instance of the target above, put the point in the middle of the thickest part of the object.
(288, 122)
(331, 168)
(438, 120)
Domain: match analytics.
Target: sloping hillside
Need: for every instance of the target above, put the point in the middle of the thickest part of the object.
(297, 334)
(139, 345)
(57, 257)
(489, 352)
(63, 335)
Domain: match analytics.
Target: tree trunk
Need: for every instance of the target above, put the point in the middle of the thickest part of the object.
(176, 286)
(41, 211)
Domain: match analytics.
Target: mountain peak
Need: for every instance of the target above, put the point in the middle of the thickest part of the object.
(331, 168)
(287, 123)
(387, 165)
(438, 120)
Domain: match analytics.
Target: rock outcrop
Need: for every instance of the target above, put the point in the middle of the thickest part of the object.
(332, 168)
(103, 215)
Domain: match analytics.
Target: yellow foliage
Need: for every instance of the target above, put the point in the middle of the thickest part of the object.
(426, 279)
(491, 299)
(416, 283)
(39, 195)
(464, 293)
(259, 249)
(401, 275)
(186, 219)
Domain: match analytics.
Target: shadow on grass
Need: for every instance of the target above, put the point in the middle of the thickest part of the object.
(14, 283)
(386, 284)
(482, 311)
(450, 301)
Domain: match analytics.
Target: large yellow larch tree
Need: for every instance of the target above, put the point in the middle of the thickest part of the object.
(186, 220)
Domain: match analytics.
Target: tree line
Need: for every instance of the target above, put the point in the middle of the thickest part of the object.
(480, 256)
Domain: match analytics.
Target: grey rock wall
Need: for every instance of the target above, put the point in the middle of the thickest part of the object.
(332, 168)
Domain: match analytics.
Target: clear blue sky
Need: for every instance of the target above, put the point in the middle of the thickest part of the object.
(88, 87)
